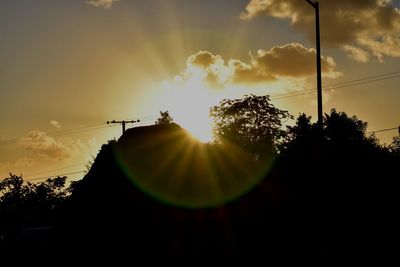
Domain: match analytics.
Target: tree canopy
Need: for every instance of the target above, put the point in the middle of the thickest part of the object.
(251, 122)
(165, 118)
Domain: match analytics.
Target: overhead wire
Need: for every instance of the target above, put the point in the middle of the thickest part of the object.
(384, 130)
(59, 133)
(340, 85)
(53, 176)
(54, 170)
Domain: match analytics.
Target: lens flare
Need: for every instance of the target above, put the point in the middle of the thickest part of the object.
(166, 163)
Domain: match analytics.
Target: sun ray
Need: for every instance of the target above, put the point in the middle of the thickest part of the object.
(165, 162)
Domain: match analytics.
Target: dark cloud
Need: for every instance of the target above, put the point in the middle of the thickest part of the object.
(292, 60)
(363, 25)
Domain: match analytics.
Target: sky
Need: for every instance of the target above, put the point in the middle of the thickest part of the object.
(69, 66)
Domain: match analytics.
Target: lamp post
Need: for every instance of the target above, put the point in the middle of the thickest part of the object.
(315, 5)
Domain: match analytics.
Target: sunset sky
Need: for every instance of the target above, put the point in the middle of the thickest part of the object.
(68, 66)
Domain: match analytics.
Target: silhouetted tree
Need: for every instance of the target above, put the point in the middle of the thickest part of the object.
(165, 118)
(340, 127)
(251, 122)
(394, 147)
(303, 134)
(24, 204)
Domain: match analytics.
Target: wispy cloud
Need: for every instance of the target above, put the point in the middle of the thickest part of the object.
(41, 144)
(101, 3)
(356, 53)
(55, 124)
(20, 163)
(361, 28)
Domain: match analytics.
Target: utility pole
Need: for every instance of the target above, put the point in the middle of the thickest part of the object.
(315, 5)
(123, 123)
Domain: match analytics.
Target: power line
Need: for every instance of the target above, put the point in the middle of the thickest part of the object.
(385, 130)
(344, 82)
(54, 132)
(59, 133)
(54, 170)
(89, 127)
(349, 83)
(366, 78)
(52, 176)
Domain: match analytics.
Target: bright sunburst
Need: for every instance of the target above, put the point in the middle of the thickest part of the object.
(199, 126)
(189, 102)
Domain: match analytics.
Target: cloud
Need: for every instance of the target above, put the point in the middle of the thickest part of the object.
(101, 3)
(292, 60)
(205, 66)
(356, 53)
(387, 46)
(371, 26)
(286, 61)
(24, 162)
(46, 146)
(20, 163)
(208, 78)
(55, 124)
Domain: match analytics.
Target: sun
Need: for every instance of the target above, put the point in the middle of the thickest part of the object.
(189, 103)
(194, 116)
(200, 129)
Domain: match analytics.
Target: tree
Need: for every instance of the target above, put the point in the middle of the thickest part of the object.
(251, 122)
(165, 118)
(13, 192)
(340, 127)
(394, 147)
(27, 204)
(300, 136)
(339, 130)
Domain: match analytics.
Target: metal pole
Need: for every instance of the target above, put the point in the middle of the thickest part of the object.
(315, 5)
(319, 78)
(123, 127)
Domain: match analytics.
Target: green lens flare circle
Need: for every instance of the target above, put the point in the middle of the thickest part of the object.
(176, 170)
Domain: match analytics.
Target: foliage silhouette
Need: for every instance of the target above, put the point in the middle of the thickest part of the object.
(330, 195)
(28, 211)
(394, 147)
(165, 118)
(251, 122)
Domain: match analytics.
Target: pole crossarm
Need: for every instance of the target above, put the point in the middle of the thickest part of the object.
(314, 4)
(123, 123)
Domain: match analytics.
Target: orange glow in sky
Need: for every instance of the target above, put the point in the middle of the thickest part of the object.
(69, 65)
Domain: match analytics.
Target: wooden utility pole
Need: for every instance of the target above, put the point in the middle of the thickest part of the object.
(315, 5)
(123, 123)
